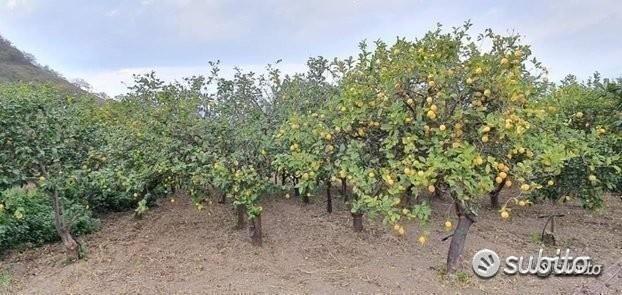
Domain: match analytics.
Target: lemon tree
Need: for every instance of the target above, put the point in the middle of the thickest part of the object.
(584, 119)
(43, 144)
(303, 145)
(433, 115)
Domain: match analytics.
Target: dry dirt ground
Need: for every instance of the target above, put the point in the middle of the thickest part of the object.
(176, 249)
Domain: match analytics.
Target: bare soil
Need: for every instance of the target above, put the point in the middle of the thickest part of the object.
(176, 249)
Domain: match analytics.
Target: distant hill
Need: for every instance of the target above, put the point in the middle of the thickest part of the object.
(17, 66)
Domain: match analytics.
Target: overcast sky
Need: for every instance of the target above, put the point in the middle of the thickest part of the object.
(104, 42)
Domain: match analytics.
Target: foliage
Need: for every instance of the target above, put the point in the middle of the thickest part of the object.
(433, 115)
(584, 120)
(26, 217)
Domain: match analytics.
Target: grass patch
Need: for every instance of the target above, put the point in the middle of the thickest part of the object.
(536, 237)
(5, 279)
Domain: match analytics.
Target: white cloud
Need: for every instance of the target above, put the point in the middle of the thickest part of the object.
(13, 5)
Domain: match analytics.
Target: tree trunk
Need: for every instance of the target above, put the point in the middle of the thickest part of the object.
(344, 189)
(283, 178)
(357, 222)
(494, 195)
(329, 197)
(223, 198)
(71, 246)
(407, 198)
(296, 189)
(458, 239)
(254, 228)
(151, 199)
(241, 212)
(276, 178)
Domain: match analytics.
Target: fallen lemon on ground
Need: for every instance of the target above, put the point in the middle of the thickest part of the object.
(505, 214)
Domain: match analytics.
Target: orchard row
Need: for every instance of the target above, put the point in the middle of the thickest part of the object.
(439, 115)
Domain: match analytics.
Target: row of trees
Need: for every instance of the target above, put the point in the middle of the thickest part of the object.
(438, 116)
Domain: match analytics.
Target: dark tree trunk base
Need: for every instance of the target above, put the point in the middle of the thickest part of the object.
(344, 189)
(494, 195)
(241, 214)
(254, 228)
(296, 192)
(357, 222)
(494, 201)
(223, 198)
(406, 200)
(329, 198)
(458, 240)
(72, 248)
